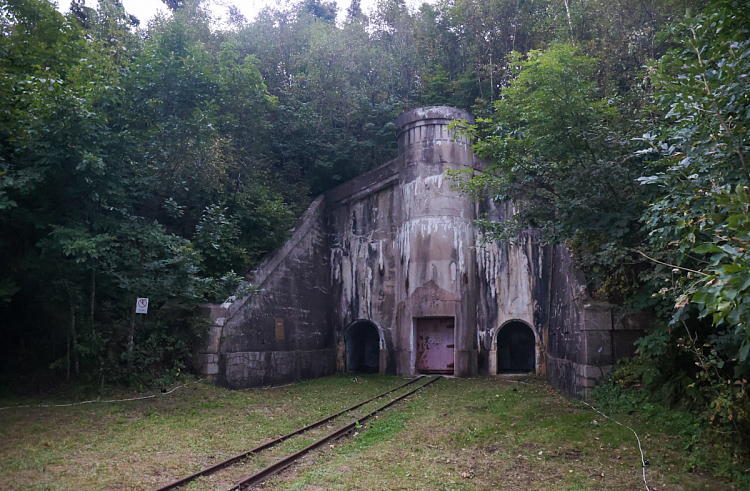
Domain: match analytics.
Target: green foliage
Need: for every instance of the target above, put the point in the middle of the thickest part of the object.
(216, 237)
(135, 160)
(577, 127)
(705, 445)
(723, 292)
(699, 222)
(166, 160)
(561, 152)
(117, 154)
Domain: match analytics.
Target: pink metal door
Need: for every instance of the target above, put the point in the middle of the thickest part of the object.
(435, 343)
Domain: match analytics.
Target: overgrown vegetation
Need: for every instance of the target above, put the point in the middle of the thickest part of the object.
(640, 168)
(703, 445)
(164, 160)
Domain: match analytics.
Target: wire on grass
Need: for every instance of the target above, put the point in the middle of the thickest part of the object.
(643, 460)
(95, 400)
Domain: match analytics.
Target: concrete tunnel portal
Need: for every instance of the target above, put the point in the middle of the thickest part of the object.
(362, 348)
(385, 273)
(516, 348)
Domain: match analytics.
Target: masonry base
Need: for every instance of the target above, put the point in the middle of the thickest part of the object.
(244, 369)
(574, 379)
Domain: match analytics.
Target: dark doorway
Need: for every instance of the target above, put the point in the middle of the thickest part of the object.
(516, 352)
(363, 348)
(435, 345)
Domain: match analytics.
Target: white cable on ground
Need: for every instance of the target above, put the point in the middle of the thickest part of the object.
(95, 400)
(643, 460)
(275, 386)
(89, 402)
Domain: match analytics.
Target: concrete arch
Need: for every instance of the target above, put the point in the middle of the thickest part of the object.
(345, 332)
(361, 352)
(497, 330)
(494, 369)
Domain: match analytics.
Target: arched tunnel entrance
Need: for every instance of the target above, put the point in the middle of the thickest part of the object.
(516, 348)
(363, 348)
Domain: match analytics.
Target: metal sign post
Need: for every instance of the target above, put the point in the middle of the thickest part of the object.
(141, 306)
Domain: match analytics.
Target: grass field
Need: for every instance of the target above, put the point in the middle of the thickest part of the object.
(458, 434)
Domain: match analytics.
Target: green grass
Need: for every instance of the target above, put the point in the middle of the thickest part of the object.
(457, 434)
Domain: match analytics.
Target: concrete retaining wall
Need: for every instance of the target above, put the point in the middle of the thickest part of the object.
(280, 333)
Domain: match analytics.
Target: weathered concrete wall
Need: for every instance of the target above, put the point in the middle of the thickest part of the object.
(280, 333)
(577, 339)
(396, 248)
(362, 217)
(402, 244)
(514, 286)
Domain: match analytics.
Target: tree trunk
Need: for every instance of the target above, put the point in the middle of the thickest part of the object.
(73, 335)
(67, 357)
(570, 23)
(92, 304)
(131, 337)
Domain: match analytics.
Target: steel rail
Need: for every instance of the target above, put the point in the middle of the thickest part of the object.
(233, 460)
(282, 464)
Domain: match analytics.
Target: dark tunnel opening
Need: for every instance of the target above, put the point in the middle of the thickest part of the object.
(363, 348)
(516, 352)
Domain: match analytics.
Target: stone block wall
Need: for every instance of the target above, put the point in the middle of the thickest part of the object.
(586, 337)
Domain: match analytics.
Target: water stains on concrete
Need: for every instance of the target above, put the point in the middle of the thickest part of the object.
(395, 250)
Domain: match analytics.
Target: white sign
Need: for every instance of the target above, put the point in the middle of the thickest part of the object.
(141, 306)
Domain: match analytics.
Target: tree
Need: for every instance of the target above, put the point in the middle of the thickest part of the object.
(562, 153)
(699, 223)
(113, 147)
(325, 11)
(354, 12)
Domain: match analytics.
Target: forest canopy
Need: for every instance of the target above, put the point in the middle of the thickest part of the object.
(169, 157)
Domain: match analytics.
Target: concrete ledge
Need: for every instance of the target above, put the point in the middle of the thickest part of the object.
(212, 311)
(591, 372)
(370, 182)
(434, 112)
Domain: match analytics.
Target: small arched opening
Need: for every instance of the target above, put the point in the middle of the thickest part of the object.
(363, 348)
(516, 348)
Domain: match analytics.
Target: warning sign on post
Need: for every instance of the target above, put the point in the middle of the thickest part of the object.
(141, 306)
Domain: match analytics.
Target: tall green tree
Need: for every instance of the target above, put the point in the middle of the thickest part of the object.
(563, 154)
(698, 227)
(115, 150)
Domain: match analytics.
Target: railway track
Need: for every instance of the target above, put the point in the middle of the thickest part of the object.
(285, 462)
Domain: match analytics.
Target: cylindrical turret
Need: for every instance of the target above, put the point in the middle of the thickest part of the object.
(436, 315)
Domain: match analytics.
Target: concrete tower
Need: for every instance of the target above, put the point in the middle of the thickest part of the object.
(435, 292)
